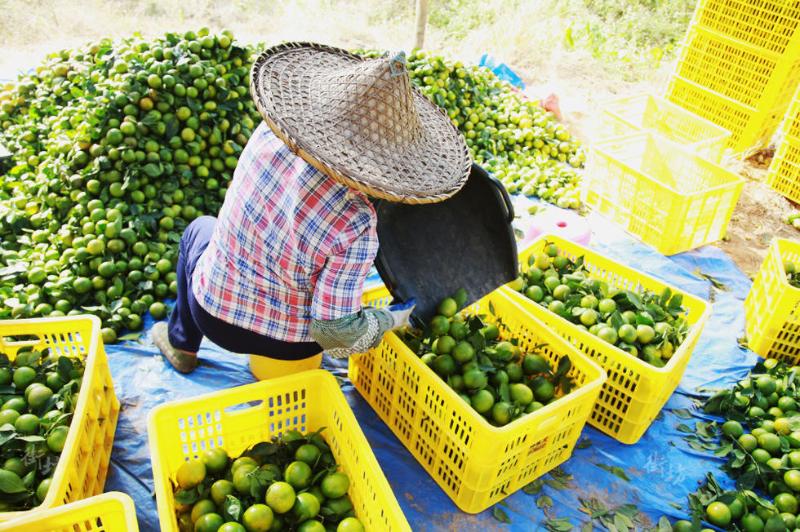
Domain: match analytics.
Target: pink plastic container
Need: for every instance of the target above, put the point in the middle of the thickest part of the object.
(565, 224)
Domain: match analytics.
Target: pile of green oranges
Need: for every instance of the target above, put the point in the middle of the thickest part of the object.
(291, 483)
(38, 393)
(760, 438)
(646, 325)
(491, 373)
(116, 147)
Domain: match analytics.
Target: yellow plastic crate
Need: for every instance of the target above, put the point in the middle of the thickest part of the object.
(475, 463)
(240, 417)
(784, 171)
(746, 73)
(83, 465)
(791, 122)
(750, 128)
(635, 114)
(769, 24)
(772, 307)
(661, 192)
(635, 391)
(109, 512)
(376, 296)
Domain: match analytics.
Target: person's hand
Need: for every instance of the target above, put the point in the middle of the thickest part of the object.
(401, 313)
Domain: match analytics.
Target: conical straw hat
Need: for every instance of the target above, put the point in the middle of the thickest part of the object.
(360, 121)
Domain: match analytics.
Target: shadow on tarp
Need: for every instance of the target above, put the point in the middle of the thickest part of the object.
(661, 468)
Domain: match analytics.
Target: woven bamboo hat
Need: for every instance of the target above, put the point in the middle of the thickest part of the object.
(360, 121)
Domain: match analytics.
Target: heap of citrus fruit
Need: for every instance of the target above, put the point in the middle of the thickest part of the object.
(792, 273)
(514, 138)
(116, 147)
(290, 483)
(490, 372)
(646, 325)
(760, 438)
(38, 391)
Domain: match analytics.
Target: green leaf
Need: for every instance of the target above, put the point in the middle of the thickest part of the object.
(665, 295)
(724, 450)
(132, 336)
(719, 285)
(65, 368)
(615, 470)
(500, 514)
(584, 443)
(682, 413)
(186, 496)
(232, 508)
(633, 299)
(534, 487)
(31, 439)
(616, 320)
(504, 391)
(491, 309)
(10, 482)
(544, 502)
(622, 523)
(562, 524)
(564, 365)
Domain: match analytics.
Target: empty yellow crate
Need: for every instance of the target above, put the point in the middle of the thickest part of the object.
(109, 512)
(635, 391)
(238, 418)
(475, 463)
(768, 24)
(83, 465)
(636, 114)
(663, 193)
(746, 73)
(784, 171)
(751, 129)
(772, 307)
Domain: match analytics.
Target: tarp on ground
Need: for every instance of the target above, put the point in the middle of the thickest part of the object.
(658, 472)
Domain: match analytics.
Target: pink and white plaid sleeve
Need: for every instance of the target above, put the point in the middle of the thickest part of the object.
(340, 284)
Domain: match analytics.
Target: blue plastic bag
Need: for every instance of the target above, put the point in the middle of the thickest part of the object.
(502, 71)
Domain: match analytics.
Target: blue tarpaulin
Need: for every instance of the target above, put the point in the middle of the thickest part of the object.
(660, 470)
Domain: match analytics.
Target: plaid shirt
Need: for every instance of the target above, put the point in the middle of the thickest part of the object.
(290, 245)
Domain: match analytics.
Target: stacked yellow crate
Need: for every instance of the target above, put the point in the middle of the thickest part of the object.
(739, 66)
(784, 172)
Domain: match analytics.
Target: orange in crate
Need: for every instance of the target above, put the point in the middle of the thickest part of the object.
(475, 463)
(83, 465)
(109, 512)
(635, 391)
(238, 418)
